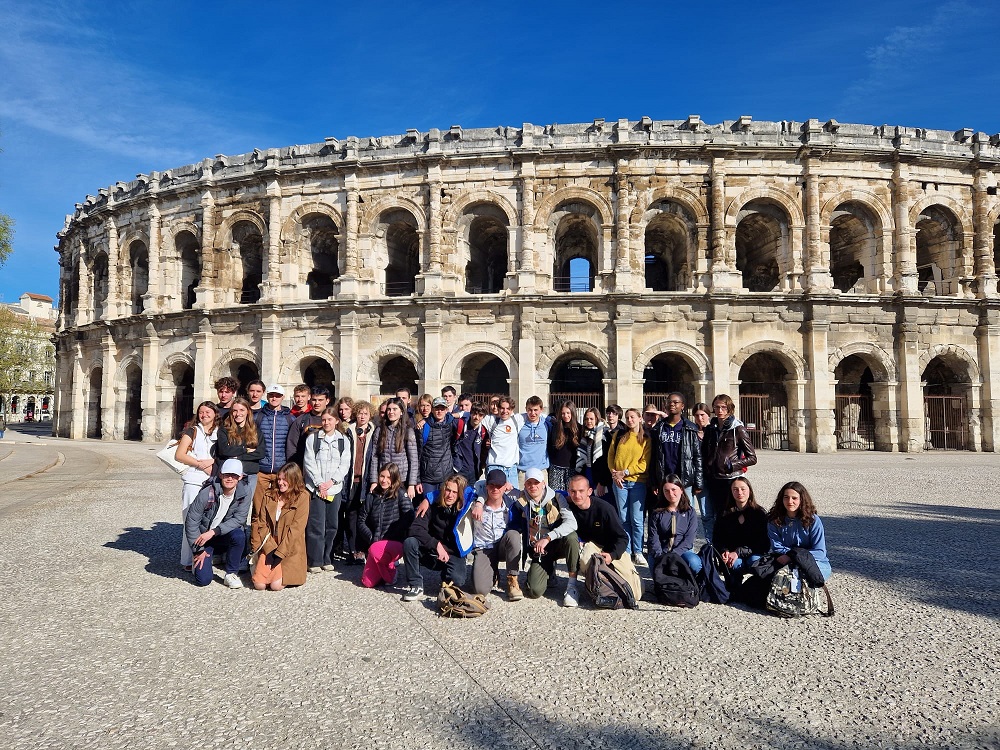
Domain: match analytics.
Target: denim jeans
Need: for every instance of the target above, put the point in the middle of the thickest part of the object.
(698, 504)
(631, 501)
(693, 561)
(455, 570)
(231, 545)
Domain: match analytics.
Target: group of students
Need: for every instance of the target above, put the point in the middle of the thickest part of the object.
(442, 481)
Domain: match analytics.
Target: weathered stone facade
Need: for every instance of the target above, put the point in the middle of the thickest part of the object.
(804, 263)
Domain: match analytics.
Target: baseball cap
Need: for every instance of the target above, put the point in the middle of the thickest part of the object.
(496, 477)
(232, 466)
(439, 401)
(535, 474)
(275, 388)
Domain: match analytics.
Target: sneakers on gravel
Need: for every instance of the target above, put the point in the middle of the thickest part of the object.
(514, 593)
(232, 580)
(413, 593)
(572, 597)
(638, 559)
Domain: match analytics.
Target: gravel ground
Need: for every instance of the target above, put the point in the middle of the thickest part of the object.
(107, 646)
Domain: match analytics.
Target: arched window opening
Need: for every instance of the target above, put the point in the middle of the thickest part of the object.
(576, 378)
(318, 372)
(397, 373)
(575, 264)
(245, 372)
(190, 258)
(320, 233)
(247, 237)
(667, 252)
(95, 386)
(138, 261)
(761, 240)
(946, 408)
(937, 251)
(852, 247)
(484, 375)
(763, 406)
(665, 374)
(100, 288)
(133, 403)
(487, 267)
(403, 251)
(855, 417)
(183, 379)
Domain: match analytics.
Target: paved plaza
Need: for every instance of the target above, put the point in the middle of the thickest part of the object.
(107, 645)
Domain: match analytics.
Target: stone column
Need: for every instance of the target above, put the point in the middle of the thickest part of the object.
(154, 290)
(820, 401)
(109, 369)
(205, 291)
(905, 272)
(114, 306)
(526, 268)
(816, 258)
(911, 393)
(724, 274)
(628, 390)
(625, 200)
(85, 301)
(988, 336)
(348, 377)
(270, 350)
(78, 403)
(527, 378)
(986, 273)
(150, 375)
(797, 415)
(349, 283)
(431, 329)
(274, 288)
(719, 327)
(886, 415)
(204, 357)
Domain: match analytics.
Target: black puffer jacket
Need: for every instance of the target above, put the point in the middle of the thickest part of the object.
(385, 518)
(436, 441)
(436, 525)
(726, 449)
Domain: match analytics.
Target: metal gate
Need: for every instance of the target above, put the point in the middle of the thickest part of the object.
(583, 402)
(855, 422)
(766, 422)
(945, 423)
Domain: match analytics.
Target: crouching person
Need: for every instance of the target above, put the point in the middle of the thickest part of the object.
(496, 536)
(600, 527)
(214, 523)
(432, 541)
(551, 536)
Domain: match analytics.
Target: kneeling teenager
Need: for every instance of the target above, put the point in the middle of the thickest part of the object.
(432, 541)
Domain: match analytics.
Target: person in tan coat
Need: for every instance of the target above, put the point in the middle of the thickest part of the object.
(279, 532)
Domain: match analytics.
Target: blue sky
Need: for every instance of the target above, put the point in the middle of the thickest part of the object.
(98, 92)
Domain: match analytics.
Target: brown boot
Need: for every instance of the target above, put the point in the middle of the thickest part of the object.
(513, 589)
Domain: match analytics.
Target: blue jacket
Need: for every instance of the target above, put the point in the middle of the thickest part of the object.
(469, 453)
(273, 426)
(660, 539)
(792, 533)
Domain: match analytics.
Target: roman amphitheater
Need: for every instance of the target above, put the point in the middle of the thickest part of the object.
(841, 279)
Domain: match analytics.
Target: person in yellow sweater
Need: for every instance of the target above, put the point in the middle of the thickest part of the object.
(628, 460)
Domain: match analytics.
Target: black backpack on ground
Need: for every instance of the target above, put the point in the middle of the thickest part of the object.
(713, 578)
(607, 588)
(674, 583)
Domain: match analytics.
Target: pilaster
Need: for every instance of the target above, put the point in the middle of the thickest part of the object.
(431, 329)
(526, 251)
(274, 288)
(526, 384)
(724, 274)
(348, 377)
(985, 270)
(270, 350)
(109, 368)
(154, 289)
(820, 401)
(150, 370)
(205, 291)
(988, 338)
(816, 256)
(719, 329)
(911, 393)
(204, 357)
(77, 424)
(624, 390)
(905, 274)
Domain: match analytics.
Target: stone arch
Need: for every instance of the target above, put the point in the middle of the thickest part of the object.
(311, 207)
(470, 199)
(291, 368)
(669, 241)
(125, 242)
(243, 214)
(786, 200)
(953, 352)
(957, 209)
(882, 365)
(177, 227)
(451, 370)
(221, 366)
(689, 199)
(372, 363)
(863, 197)
(574, 194)
(369, 224)
(132, 359)
(699, 363)
(790, 358)
(993, 216)
(167, 366)
(559, 350)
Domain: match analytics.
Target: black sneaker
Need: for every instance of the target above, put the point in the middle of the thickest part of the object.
(413, 593)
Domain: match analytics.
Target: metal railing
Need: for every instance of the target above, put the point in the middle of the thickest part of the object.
(945, 423)
(766, 422)
(855, 420)
(583, 402)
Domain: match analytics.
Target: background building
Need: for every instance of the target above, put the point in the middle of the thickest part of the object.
(840, 279)
(27, 358)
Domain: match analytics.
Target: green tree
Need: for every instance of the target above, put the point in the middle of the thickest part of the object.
(6, 235)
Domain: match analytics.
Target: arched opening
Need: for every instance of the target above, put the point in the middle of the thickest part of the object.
(94, 386)
(99, 271)
(133, 403)
(852, 247)
(764, 401)
(403, 252)
(396, 373)
(247, 237)
(946, 407)
(138, 261)
(183, 379)
(318, 371)
(855, 401)
(319, 231)
(761, 242)
(937, 251)
(577, 378)
(72, 296)
(487, 267)
(485, 375)
(190, 257)
(668, 245)
(665, 374)
(245, 372)
(575, 265)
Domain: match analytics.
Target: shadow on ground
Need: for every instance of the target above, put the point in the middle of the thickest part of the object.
(160, 545)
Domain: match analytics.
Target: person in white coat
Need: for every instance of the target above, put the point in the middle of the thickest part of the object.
(328, 456)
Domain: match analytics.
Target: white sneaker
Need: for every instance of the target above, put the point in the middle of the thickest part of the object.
(232, 580)
(572, 597)
(638, 559)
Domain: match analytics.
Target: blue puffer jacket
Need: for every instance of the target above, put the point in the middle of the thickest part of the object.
(436, 441)
(273, 425)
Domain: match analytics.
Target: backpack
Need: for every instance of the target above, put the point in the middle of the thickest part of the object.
(713, 583)
(674, 582)
(340, 442)
(453, 602)
(791, 596)
(607, 588)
